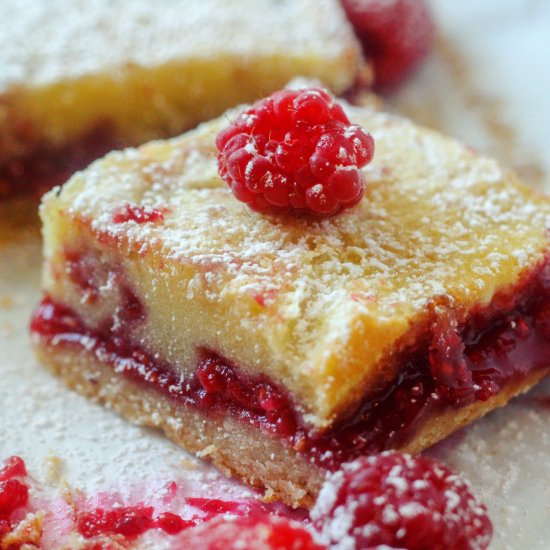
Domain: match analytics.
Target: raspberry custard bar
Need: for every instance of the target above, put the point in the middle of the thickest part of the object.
(281, 336)
(79, 79)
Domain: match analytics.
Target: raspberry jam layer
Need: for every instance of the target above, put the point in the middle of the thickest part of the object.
(47, 166)
(452, 367)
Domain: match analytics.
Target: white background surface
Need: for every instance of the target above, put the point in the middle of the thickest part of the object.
(506, 46)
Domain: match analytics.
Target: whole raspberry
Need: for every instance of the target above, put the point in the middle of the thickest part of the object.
(295, 151)
(396, 36)
(400, 501)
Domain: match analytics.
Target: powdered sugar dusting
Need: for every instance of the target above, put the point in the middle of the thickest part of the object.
(505, 455)
(505, 458)
(431, 225)
(65, 438)
(59, 39)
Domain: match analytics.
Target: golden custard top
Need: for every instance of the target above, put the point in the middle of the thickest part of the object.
(44, 41)
(321, 306)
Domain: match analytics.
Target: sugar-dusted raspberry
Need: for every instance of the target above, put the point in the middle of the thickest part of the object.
(295, 151)
(396, 36)
(254, 531)
(400, 501)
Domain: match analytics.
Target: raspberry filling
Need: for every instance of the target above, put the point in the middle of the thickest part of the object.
(453, 366)
(137, 214)
(47, 166)
(135, 520)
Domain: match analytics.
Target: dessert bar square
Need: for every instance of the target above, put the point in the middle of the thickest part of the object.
(80, 79)
(279, 347)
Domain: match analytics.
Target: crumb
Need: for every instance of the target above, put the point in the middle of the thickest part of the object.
(53, 467)
(269, 495)
(7, 301)
(366, 98)
(189, 464)
(27, 534)
(211, 449)
(8, 328)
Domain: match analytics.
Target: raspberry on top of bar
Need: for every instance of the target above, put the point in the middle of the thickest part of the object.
(323, 308)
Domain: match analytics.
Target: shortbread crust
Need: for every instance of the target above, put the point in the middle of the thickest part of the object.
(236, 449)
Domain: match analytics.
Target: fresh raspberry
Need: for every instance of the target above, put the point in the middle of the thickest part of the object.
(255, 531)
(295, 151)
(396, 36)
(399, 501)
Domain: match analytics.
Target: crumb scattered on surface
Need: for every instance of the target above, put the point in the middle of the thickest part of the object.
(53, 469)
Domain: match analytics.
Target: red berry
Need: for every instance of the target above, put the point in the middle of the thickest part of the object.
(14, 466)
(281, 154)
(277, 190)
(396, 36)
(401, 501)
